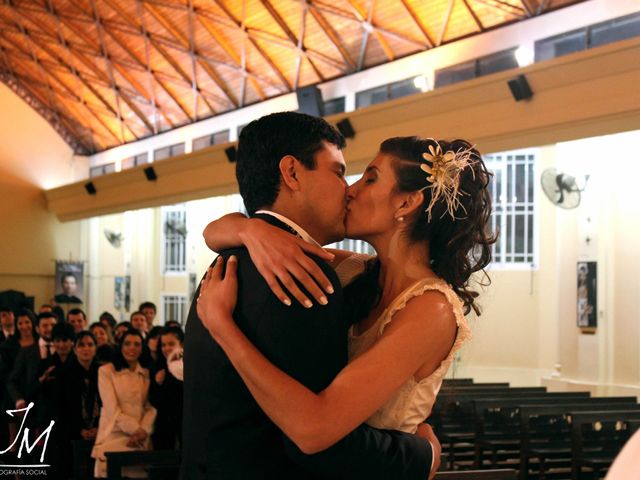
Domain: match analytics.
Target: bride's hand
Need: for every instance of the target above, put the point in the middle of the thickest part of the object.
(218, 297)
(280, 257)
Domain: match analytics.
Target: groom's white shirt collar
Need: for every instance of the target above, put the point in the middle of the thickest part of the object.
(301, 231)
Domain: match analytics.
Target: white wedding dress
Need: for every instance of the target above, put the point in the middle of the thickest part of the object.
(412, 403)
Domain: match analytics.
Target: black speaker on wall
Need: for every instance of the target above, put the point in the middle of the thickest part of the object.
(150, 173)
(90, 188)
(310, 101)
(520, 88)
(345, 128)
(230, 152)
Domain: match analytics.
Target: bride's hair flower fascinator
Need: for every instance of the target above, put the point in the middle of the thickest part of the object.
(443, 171)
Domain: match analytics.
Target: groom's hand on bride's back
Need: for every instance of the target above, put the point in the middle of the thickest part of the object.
(283, 261)
(425, 431)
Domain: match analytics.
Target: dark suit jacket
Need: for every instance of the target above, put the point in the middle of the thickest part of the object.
(23, 379)
(225, 433)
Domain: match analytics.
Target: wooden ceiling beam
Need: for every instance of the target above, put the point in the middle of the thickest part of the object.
(110, 67)
(445, 23)
(291, 36)
(149, 39)
(529, 7)
(368, 27)
(179, 36)
(229, 50)
(46, 109)
(244, 31)
(504, 7)
(333, 36)
(473, 14)
(284, 42)
(416, 20)
(91, 66)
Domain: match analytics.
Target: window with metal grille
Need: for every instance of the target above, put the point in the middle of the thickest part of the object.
(134, 161)
(174, 239)
(174, 307)
(170, 151)
(211, 139)
(514, 207)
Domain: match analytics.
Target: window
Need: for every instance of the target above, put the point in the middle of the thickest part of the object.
(496, 62)
(174, 239)
(174, 307)
(561, 45)
(336, 105)
(102, 170)
(615, 30)
(208, 140)
(136, 160)
(383, 93)
(513, 194)
(170, 151)
(589, 37)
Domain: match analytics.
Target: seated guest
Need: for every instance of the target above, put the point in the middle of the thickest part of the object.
(24, 336)
(139, 322)
(166, 394)
(126, 417)
(149, 310)
(120, 329)
(153, 341)
(77, 319)
(55, 386)
(83, 412)
(108, 321)
(23, 384)
(101, 334)
(173, 323)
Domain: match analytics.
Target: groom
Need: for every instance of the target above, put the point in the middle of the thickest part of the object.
(290, 171)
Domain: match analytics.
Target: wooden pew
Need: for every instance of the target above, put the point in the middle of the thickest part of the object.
(453, 418)
(447, 382)
(545, 435)
(497, 424)
(501, 474)
(595, 447)
(162, 464)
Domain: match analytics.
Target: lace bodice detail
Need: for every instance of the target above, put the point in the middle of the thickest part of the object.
(413, 402)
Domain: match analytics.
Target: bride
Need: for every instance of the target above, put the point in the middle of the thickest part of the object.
(424, 206)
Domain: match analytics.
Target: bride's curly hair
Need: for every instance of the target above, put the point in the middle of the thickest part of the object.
(458, 246)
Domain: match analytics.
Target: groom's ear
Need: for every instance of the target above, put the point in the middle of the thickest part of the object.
(289, 166)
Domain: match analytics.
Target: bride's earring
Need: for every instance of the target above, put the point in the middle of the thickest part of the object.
(400, 219)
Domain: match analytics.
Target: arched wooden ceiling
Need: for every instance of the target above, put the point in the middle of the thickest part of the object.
(107, 72)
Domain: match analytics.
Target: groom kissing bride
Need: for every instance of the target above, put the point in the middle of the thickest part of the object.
(277, 386)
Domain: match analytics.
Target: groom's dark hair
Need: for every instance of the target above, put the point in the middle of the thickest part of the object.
(265, 141)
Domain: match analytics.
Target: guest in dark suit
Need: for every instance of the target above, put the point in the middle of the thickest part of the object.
(7, 323)
(226, 435)
(24, 336)
(23, 384)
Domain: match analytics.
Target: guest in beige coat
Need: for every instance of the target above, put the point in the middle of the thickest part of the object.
(127, 417)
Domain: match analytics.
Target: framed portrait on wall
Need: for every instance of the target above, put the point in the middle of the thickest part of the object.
(587, 306)
(69, 282)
